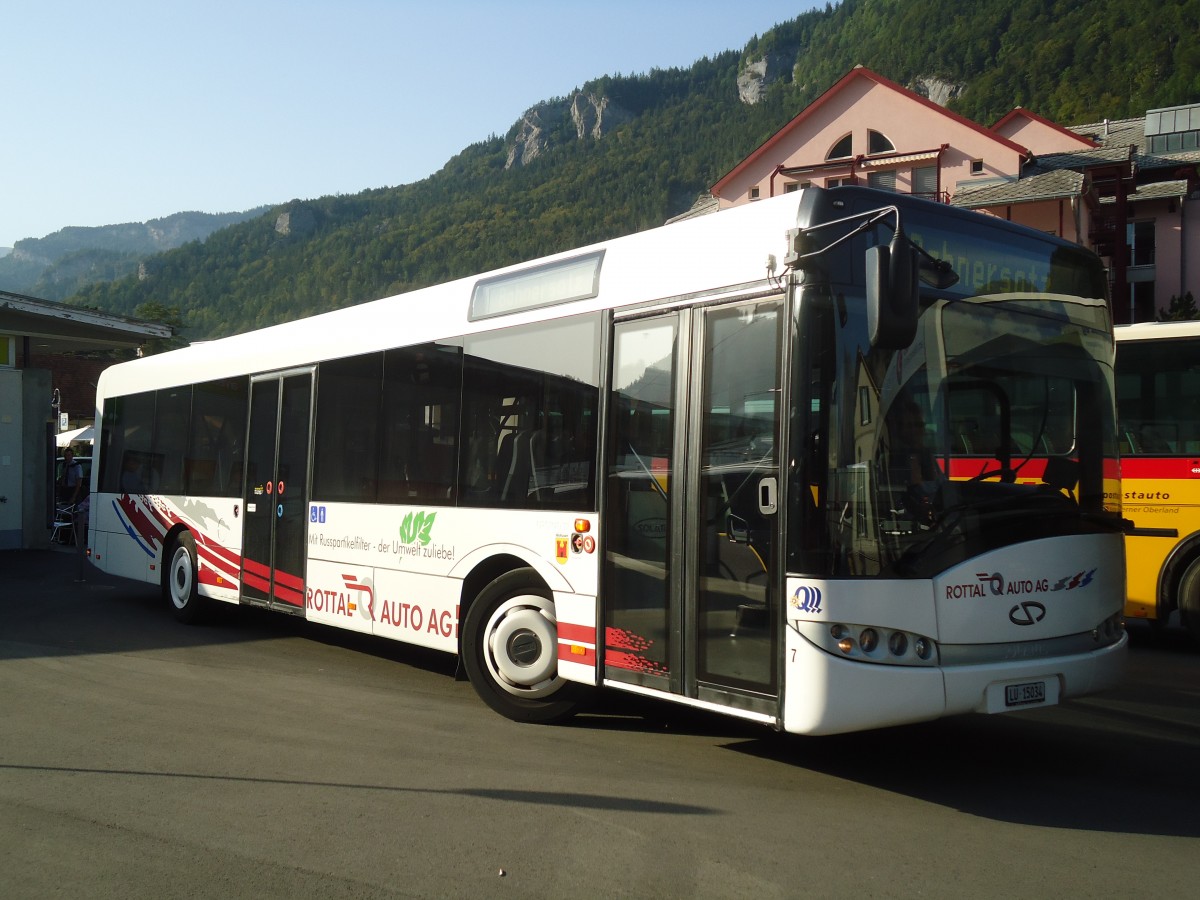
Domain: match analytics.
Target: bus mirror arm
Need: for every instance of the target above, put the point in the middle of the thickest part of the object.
(892, 274)
(937, 273)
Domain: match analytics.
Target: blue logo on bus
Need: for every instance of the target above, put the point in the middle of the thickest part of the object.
(807, 598)
(316, 515)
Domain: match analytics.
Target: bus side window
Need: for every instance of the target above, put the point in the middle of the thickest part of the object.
(419, 456)
(530, 397)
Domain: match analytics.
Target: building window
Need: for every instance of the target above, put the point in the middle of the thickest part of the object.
(878, 143)
(925, 181)
(1174, 129)
(884, 181)
(977, 167)
(754, 193)
(791, 187)
(1175, 143)
(843, 149)
(838, 182)
(1140, 238)
(1141, 304)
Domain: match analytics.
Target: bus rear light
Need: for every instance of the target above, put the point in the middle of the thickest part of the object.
(868, 640)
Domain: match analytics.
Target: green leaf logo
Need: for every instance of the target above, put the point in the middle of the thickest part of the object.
(416, 528)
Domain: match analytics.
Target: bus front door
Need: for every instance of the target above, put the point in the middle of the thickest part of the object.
(691, 580)
(275, 492)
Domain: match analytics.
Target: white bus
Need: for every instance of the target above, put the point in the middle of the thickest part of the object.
(669, 464)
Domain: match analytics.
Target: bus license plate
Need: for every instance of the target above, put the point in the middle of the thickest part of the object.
(1021, 694)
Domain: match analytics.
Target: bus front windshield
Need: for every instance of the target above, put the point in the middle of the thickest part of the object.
(995, 426)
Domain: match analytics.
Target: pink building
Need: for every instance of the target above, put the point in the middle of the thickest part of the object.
(1127, 189)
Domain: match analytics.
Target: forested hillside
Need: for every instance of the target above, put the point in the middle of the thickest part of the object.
(60, 264)
(1072, 61)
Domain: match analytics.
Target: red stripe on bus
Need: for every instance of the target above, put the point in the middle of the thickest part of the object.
(1161, 467)
(144, 521)
(253, 581)
(222, 555)
(584, 634)
(285, 595)
(288, 580)
(617, 659)
(226, 567)
(251, 565)
(1027, 470)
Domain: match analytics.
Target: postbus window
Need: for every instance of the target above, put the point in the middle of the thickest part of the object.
(213, 465)
(530, 396)
(1158, 390)
(347, 443)
(421, 390)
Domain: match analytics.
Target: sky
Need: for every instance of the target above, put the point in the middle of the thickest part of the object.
(126, 111)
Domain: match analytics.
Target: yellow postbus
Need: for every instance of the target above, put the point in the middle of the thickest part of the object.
(1158, 400)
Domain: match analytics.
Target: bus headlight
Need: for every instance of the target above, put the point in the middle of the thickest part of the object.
(923, 648)
(870, 643)
(1110, 630)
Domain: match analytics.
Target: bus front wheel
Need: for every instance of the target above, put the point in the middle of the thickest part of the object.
(180, 584)
(510, 650)
(1189, 598)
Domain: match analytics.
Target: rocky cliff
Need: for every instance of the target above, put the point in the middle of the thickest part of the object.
(584, 115)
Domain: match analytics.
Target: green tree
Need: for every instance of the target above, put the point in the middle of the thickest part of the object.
(1180, 309)
(162, 315)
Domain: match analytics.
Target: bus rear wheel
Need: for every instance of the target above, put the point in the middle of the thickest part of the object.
(180, 582)
(510, 650)
(1189, 598)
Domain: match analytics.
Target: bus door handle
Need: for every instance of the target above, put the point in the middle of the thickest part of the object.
(768, 494)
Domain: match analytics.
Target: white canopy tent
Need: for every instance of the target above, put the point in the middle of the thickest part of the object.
(85, 435)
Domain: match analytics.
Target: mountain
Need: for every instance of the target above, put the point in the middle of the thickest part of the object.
(624, 153)
(60, 264)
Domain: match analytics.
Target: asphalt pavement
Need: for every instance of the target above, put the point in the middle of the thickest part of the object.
(265, 756)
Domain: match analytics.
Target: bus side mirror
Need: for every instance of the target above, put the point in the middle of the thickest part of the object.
(892, 294)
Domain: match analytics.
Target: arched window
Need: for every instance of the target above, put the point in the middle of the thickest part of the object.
(843, 149)
(878, 143)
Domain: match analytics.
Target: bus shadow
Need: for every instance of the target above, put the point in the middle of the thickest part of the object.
(1114, 773)
(1172, 637)
(52, 606)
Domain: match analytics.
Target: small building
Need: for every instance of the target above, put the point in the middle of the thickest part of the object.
(1122, 188)
(50, 358)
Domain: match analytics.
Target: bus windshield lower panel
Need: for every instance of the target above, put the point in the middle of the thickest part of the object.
(994, 427)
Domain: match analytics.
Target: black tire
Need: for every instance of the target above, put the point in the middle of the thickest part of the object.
(180, 583)
(1189, 598)
(510, 651)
